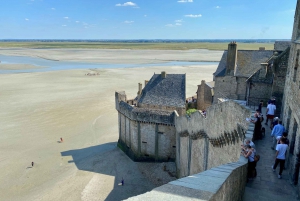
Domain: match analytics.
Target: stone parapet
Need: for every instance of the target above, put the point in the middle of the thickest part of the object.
(225, 182)
(146, 115)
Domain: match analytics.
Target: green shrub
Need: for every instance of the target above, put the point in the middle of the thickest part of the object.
(190, 111)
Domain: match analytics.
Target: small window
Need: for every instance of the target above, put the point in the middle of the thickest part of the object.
(174, 146)
(160, 133)
(147, 155)
(144, 142)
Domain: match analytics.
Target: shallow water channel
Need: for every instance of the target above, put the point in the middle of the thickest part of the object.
(51, 65)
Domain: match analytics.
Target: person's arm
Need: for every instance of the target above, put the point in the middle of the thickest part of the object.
(247, 154)
(267, 110)
(276, 154)
(273, 130)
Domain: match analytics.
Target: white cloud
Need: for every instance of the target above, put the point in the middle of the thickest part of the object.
(77, 21)
(193, 16)
(63, 25)
(218, 7)
(177, 23)
(170, 25)
(52, 8)
(128, 22)
(129, 3)
(185, 1)
(66, 17)
(26, 19)
(145, 15)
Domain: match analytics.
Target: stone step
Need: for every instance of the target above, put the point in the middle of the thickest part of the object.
(252, 194)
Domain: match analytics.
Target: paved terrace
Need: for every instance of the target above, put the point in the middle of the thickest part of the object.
(266, 186)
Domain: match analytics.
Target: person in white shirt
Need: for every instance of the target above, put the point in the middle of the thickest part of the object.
(249, 142)
(270, 112)
(280, 156)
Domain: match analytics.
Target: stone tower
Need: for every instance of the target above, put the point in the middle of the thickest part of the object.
(231, 58)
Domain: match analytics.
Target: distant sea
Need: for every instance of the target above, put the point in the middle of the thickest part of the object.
(148, 40)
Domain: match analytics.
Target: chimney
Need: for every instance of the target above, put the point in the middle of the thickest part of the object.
(262, 48)
(163, 74)
(231, 58)
(146, 82)
(140, 89)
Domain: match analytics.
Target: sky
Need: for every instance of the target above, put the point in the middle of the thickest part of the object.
(147, 19)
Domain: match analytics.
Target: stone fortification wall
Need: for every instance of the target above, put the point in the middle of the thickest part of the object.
(223, 183)
(203, 143)
(145, 134)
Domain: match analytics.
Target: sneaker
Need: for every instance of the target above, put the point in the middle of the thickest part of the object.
(273, 169)
(279, 176)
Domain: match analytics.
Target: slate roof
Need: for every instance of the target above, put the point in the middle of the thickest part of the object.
(248, 62)
(281, 45)
(169, 91)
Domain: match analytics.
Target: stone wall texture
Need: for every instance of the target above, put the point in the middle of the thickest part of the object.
(145, 134)
(204, 96)
(225, 87)
(220, 140)
(291, 100)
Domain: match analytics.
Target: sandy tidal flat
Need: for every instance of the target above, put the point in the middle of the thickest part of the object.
(37, 109)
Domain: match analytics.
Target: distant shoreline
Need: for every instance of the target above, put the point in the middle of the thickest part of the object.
(174, 45)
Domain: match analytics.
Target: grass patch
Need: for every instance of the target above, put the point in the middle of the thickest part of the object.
(191, 111)
(135, 46)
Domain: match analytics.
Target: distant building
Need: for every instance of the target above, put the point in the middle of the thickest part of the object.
(251, 75)
(146, 123)
(205, 94)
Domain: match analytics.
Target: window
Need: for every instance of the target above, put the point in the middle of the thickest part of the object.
(296, 66)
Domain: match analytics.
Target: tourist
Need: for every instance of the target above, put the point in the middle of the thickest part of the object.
(122, 182)
(257, 127)
(280, 156)
(284, 135)
(274, 123)
(277, 133)
(32, 163)
(249, 153)
(61, 140)
(270, 112)
(249, 142)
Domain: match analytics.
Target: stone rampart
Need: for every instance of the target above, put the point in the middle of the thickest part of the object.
(145, 134)
(203, 143)
(225, 182)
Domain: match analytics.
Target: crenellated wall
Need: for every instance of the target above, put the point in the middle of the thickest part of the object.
(203, 143)
(145, 134)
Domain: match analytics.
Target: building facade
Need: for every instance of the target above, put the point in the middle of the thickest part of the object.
(291, 101)
(146, 123)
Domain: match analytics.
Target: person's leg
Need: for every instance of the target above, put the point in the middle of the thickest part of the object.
(274, 143)
(276, 163)
(267, 120)
(281, 166)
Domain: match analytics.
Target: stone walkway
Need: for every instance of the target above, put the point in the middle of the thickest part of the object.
(266, 186)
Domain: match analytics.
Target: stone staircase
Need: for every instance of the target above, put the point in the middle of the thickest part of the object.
(266, 186)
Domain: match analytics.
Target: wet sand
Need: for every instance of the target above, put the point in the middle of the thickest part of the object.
(37, 109)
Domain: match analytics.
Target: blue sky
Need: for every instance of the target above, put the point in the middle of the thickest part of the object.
(147, 19)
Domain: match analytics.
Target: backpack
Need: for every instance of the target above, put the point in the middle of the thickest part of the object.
(256, 158)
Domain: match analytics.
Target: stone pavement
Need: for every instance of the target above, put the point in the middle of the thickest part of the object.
(266, 186)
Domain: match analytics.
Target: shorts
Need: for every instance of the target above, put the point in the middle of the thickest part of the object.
(269, 116)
